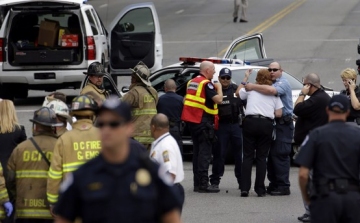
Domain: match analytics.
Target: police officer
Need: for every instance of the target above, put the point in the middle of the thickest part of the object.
(333, 153)
(143, 99)
(352, 91)
(230, 118)
(166, 152)
(96, 74)
(28, 169)
(200, 113)
(171, 104)
(121, 184)
(74, 147)
(62, 113)
(278, 164)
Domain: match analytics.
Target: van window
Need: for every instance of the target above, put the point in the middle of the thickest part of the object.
(92, 23)
(97, 22)
(141, 18)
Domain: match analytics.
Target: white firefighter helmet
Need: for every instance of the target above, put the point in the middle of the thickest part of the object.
(60, 109)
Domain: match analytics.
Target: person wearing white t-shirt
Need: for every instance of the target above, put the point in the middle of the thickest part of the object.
(257, 131)
(165, 151)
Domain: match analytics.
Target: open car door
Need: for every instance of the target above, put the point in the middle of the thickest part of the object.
(135, 36)
(247, 48)
(108, 84)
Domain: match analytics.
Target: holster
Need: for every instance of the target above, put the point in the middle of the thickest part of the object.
(285, 120)
(322, 187)
(209, 133)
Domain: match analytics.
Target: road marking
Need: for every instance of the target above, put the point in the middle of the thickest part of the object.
(25, 111)
(180, 11)
(103, 6)
(272, 20)
(347, 60)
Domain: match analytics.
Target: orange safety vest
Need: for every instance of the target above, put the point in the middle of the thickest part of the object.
(194, 103)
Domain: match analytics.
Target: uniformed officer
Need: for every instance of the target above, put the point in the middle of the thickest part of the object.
(165, 151)
(62, 113)
(230, 118)
(74, 147)
(6, 208)
(143, 99)
(333, 153)
(121, 184)
(171, 104)
(352, 91)
(28, 169)
(200, 113)
(278, 163)
(96, 74)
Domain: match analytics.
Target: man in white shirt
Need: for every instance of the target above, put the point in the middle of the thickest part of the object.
(166, 152)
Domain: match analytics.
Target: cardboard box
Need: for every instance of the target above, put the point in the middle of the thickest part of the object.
(48, 33)
(70, 40)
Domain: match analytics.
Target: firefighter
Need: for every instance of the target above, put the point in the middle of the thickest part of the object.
(74, 147)
(96, 74)
(28, 169)
(143, 99)
(62, 114)
(6, 208)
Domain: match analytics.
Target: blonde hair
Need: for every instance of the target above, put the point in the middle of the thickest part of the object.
(8, 117)
(348, 73)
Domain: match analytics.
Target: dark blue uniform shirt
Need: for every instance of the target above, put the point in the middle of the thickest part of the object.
(130, 192)
(171, 105)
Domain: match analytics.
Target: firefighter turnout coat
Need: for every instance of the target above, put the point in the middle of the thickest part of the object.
(143, 101)
(71, 150)
(101, 93)
(4, 197)
(27, 177)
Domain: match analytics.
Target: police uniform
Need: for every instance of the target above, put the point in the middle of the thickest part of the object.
(354, 114)
(165, 152)
(333, 153)
(171, 105)
(95, 69)
(73, 148)
(229, 131)
(278, 164)
(28, 170)
(199, 114)
(132, 190)
(143, 99)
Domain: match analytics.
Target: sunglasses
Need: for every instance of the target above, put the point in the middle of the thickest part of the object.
(225, 78)
(273, 69)
(111, 124)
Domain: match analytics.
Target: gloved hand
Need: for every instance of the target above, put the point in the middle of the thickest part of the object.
(8, 208)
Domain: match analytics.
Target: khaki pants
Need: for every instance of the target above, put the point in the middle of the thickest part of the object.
(243, 4)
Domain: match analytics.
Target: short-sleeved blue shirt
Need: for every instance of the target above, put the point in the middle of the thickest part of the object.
(283, 89)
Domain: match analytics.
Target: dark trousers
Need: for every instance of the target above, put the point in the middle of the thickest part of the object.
(175, 132)
(226, 133)
(180, 190)
(30, 220)
(336, 208)
(202, 148)
(257, 133)
(278, 165)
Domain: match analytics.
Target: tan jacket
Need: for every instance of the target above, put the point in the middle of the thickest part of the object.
(28, 173)
(102, 94)
(144, 109)
(4, 197)
(72, 149)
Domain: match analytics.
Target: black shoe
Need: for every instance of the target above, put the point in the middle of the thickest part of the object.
(235, 19)
(280, 192)
(213, 188)
(269, 189)
(244, 194)
(304, 218)
(243, 20)
(262, 195)
(196, 188)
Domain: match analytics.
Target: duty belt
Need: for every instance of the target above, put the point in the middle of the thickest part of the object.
(259, 116)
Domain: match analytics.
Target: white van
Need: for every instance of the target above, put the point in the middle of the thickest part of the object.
(34, 55)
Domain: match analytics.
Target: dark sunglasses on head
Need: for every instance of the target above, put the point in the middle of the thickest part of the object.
(111, 124)
(272, 69)
(225, 77)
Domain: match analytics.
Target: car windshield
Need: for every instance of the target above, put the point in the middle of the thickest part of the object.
(238, 76)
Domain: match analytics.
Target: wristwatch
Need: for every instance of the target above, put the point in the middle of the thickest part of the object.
(302, 94)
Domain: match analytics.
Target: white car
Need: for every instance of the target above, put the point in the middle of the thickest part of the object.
(34, 57)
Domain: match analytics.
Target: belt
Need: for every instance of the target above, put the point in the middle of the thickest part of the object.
(350, 187)
(259, 116)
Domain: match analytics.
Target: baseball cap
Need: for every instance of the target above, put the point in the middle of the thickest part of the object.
(117, 106)
(225, 72)
(339, 104)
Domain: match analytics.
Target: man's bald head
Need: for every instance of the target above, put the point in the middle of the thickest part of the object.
(205, 65)
(313, 79)
(170, 85)
(160, 121)
(207, 69)
(275, 65)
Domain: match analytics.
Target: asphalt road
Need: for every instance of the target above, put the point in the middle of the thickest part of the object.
(307, 36)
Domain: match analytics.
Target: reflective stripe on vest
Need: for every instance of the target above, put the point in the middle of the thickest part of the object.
(52, 198)
(2, 214)
(31, 174)
(55, 174)
(71, 167)
(39, 213)
(3, 194)
(137, 112)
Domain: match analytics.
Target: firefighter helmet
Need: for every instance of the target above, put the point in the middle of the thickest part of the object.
(45, 116)
(83, 105)
(60, 109)
(95, 69)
